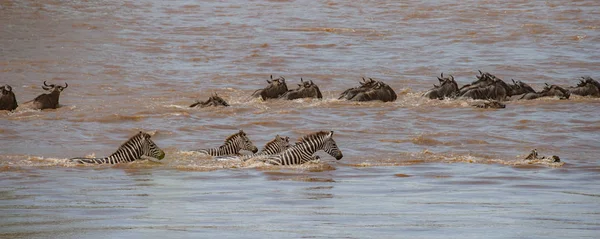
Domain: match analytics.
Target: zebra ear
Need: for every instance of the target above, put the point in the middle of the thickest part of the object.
(330, 134)
(242, 132)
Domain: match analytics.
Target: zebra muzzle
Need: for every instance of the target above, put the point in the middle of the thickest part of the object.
(161, 155)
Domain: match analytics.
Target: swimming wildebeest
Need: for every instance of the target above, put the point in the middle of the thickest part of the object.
(213, 100)
(519, 88)
(534, 156)
(8, 101)
(369, 91)
(495, 89)
(548, 91)
(492, 104)
(306, 89)
(586, 87)
(448, 88)
(483, 79)
(49, 100)
(274, 90)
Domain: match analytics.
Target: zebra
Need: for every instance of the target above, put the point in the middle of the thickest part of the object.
(275, 146)
(304, 149)
(232, 146)
(137, 147)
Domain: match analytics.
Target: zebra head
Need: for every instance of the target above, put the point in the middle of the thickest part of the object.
(277, 145)
(149, 148)
(242, 141)
(330, 147)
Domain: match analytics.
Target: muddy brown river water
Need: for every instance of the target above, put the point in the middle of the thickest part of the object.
(413, 168)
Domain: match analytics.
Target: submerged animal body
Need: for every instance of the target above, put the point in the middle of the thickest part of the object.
(370, 90)
(213, 100)
(275, 89)
(586, 87)
(534, 156)
(306, 89)
(518, 89)
(8, 101)
(448, 88)
(232, 146)
(49, 100)
(137, 147)
(548, 91)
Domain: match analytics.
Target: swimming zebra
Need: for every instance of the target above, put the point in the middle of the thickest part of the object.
(232, 146)
(303, 151)
(138, 146)
(275, 146)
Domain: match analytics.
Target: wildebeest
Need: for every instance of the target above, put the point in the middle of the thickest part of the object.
(483, 79)
(534, 156)
(447, 88)
(519, 88)
(8, 101)
(586, 87)
(496, 89)
(306, 89)
(548, 91)
(274, 90)
(369, 91)
(213, 100)
(492, 104)
(49, 100)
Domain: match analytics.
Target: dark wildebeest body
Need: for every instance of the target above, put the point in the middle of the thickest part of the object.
(274, 90)
(213, 100)
(370, 91)
(351, 93)
(448, 88)
(306, 89)
(497, 90)
(8, 101)
(549, 91)
(483, 79)
(518, 89)
(49, 100)
(586, 87)
(491, 105)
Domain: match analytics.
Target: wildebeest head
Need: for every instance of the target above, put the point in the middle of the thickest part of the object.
(8, 101)
(369, 91)
(447, 88)
(306, 89)
(483, 79)
(275, 89)
(586, 87)
(554, 90)
(213, 100)
(53, 87)
(518, 87)
(49, 100)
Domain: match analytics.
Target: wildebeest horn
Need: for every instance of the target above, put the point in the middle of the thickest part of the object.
(311, 82)
(301, 80)
(46, 88)
(268, 81)
(546, 84)
(452, 77)
(66, 85)
(46, 84)
(271, 77)
(442, 74)
(513, 80)
(481, 73)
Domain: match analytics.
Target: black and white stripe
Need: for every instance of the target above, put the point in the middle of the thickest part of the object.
(232, 146)
(275, 146)
(303, 151)
(138, 146)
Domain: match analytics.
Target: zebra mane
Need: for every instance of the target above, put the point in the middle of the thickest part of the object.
(138, 135)
(315, 135)
(231, 137)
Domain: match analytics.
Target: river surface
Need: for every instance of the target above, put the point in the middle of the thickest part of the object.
(413, 168)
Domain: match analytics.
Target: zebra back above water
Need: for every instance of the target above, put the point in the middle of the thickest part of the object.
(304, 149)
(232, 146)
(133, 149)
(275, 146)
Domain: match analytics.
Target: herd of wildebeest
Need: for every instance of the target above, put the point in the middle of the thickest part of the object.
(486, 87)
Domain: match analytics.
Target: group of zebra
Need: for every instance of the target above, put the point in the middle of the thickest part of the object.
(278, 151)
